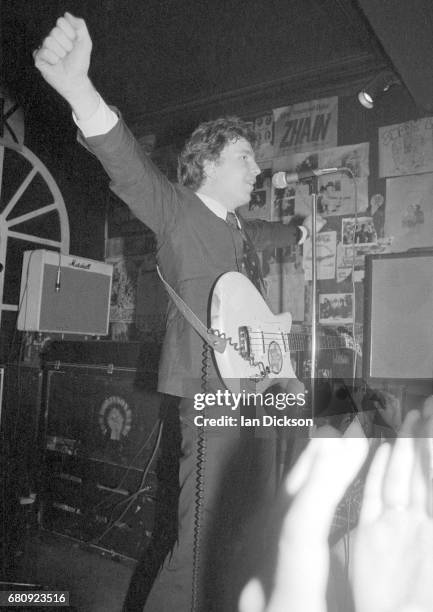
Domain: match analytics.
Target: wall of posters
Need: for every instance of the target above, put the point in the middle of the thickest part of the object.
(391, 215)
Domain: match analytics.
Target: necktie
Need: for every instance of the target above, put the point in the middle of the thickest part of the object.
(250, 260)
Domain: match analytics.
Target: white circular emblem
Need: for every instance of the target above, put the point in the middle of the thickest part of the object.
(115, 417)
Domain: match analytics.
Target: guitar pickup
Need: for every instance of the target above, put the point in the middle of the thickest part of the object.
(244, 342)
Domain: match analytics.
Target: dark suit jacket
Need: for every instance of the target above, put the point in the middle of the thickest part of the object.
(194, 247)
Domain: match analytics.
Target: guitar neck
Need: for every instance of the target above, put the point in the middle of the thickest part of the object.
(302, 342)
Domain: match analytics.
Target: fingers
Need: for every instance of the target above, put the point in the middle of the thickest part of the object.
(78, 25)
(397, 482)
(398, 479)
(420, 492)
(300, 471)
(65, 26)
(427, 410)
(44, 55)
(372, 505)
(60, 41)
(320, 478)
(252, 598)
(63, 39)
(55, 48)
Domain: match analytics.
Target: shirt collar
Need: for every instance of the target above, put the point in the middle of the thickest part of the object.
(216, 207)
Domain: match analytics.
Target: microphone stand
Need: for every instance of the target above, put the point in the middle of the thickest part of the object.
(313, 187)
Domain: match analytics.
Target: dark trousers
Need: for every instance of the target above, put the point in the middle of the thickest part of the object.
(221, 517)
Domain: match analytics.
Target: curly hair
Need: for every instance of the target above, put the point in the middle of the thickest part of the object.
(206, 144)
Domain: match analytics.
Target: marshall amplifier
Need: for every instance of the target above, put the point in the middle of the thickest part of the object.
(64, 294)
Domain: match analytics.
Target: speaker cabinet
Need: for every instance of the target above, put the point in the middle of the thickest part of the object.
(398, 329)
(101, 439)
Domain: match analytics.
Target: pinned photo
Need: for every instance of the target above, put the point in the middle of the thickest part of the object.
(359, 231)
(335, 308)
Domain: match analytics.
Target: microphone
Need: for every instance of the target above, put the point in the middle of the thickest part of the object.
(280, 180)
(57, 285)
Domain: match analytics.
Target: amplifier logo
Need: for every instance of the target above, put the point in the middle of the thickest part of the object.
(115, 418)
(78, 264)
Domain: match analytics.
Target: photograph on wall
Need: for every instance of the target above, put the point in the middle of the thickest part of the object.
(335, 308)
(326, 247)
(358, 231)
(264, 130)
(406, 148)
(305, 126)
(259, 206)
(409, 211)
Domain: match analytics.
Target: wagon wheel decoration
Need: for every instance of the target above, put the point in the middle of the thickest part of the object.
(32, 215)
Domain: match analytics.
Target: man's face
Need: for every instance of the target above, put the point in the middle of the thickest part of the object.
(231, 178)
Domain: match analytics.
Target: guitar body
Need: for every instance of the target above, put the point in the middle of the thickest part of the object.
(263, 356)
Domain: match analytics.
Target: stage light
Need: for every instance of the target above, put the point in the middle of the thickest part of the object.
(377, 87)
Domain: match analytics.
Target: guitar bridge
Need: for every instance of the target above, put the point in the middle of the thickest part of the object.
(244, 342)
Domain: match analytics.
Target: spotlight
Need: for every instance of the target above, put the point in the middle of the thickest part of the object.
(376, 87)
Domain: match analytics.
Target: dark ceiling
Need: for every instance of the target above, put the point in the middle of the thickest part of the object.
(156, 57)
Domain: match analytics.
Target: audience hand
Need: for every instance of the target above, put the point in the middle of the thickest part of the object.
(393, 549)
(318, 481)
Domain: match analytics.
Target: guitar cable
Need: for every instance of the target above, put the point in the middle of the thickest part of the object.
(199, 487)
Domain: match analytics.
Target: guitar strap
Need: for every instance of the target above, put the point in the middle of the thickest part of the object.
(218, 343)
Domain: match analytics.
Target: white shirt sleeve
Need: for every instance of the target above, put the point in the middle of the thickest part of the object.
(305, 234)
(101, 122)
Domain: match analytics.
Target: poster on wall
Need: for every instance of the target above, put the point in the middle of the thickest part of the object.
(306, 126)
(326, 249)
(264, 130)
(346, 260)
(406, 148)
(124, 289)
(409, 211)
(337, 194)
